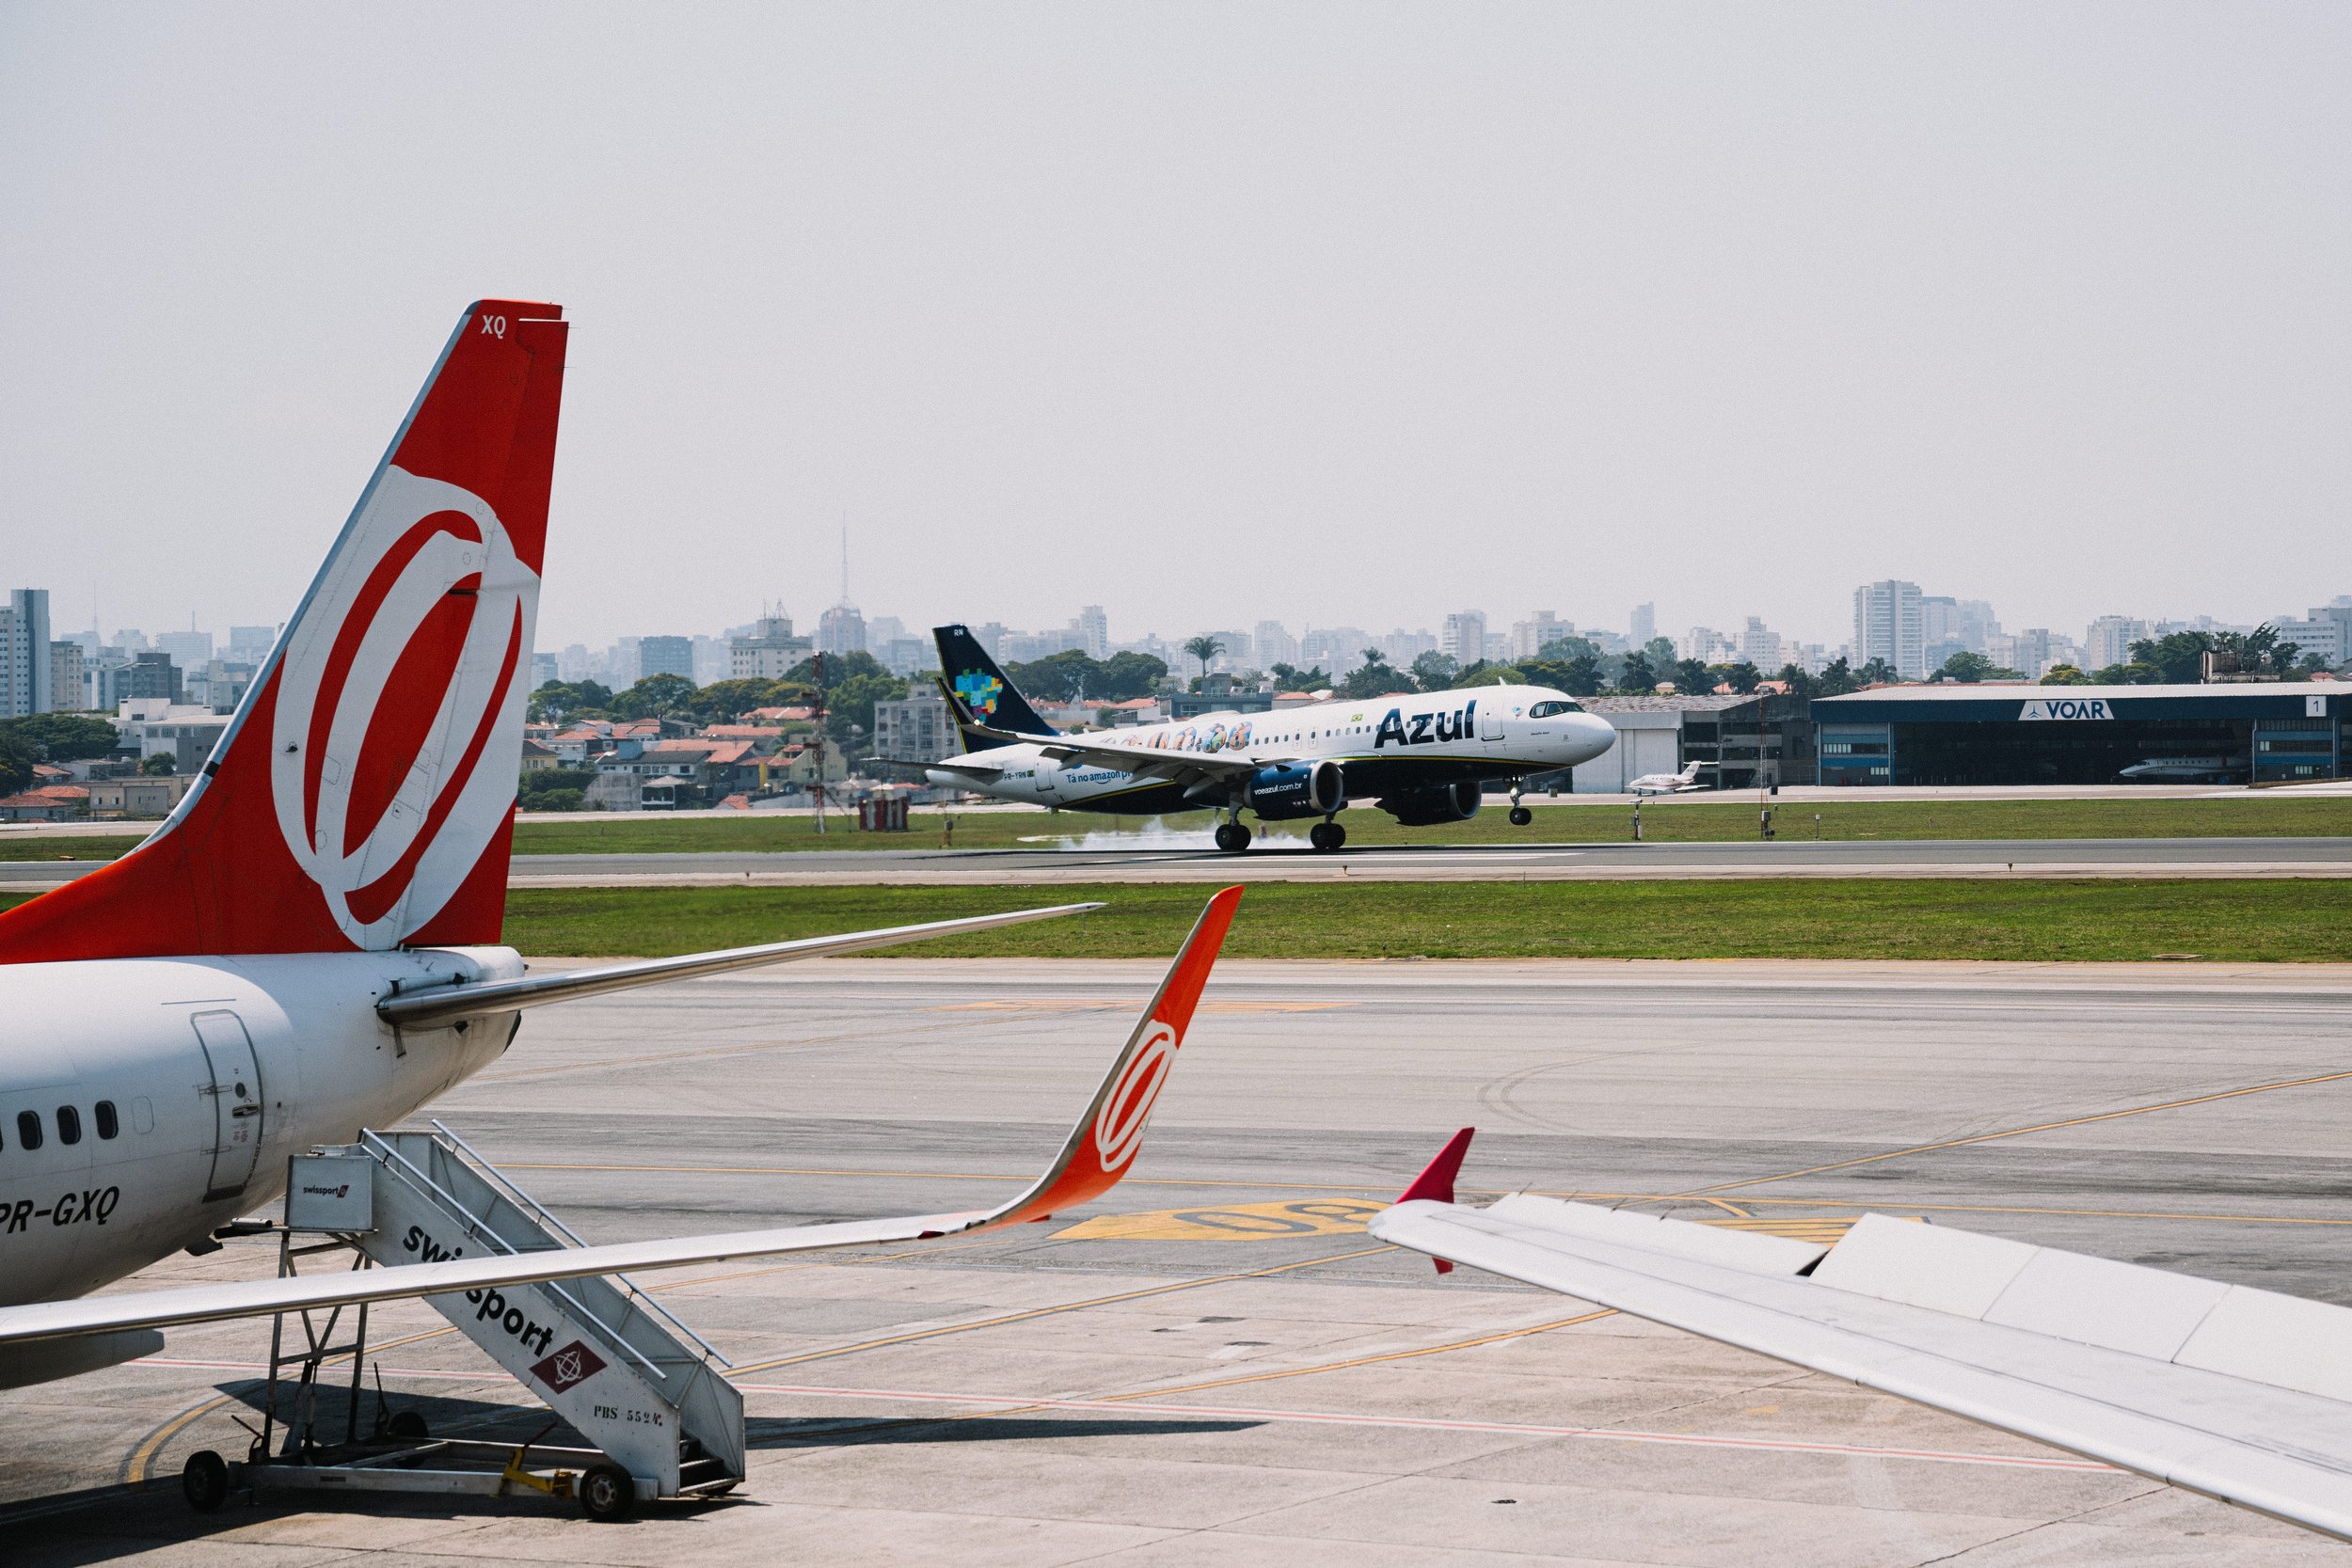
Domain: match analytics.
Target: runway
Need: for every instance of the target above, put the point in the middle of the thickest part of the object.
(1279, 858)
(1215, 1365)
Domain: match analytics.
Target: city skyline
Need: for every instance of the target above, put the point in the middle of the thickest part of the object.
(1914, 633)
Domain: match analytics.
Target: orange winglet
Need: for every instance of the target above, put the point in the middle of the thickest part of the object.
(1105, 1141)
(1436, 1184)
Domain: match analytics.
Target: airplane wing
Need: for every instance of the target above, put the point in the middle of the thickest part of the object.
(1093, 1159)
(443, 1003)
(2242, 1394)
(1155, 761)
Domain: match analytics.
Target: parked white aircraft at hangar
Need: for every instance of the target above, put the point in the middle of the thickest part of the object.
(1669, 784)
(1425, 757)
(2239, 1393)
(310, 944)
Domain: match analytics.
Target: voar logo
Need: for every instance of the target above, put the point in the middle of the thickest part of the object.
(979, 692)
(2066, 707)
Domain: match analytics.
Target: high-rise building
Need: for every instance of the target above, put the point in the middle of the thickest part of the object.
(841, 630)
(191, 650)
(917, 726)
(665, 655)
(1888, 626)
(1707, 645)
(1464, 636)
(2327, 630)
(1528, 637)
(1334, 650)
(1760, 646)
(1401, 647)
(1644, 624)
(1094, 627)
(1274, 645)
(65, 674)
(25, 653)
(770, 652)
(2109, 639)
(251, 644)
(543, 671)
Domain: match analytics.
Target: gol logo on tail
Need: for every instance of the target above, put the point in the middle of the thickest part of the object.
(1119, 1129)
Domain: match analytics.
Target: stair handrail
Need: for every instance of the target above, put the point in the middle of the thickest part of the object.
(482, 1227)
(482, 1163)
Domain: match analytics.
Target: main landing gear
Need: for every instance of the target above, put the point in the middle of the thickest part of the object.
(1233, 838)
(1327, 835)
(1520, 815)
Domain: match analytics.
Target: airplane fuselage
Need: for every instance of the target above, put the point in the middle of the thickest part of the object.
(1386, 746)
(145, 1101)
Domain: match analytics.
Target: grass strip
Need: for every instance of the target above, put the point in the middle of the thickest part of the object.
(2235, 921)
(1683, 820)
(2239, 921)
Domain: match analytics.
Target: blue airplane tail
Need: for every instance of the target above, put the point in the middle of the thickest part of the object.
(978, 691)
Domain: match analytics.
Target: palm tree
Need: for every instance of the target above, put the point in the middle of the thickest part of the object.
(1204, 649)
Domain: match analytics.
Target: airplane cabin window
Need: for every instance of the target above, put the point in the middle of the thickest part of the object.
(108, 1124)
(28, 1129)
(69, 1125)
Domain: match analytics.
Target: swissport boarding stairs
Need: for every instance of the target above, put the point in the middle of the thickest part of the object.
(601, 1352)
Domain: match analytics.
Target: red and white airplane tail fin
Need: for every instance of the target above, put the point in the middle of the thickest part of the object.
(362, 797)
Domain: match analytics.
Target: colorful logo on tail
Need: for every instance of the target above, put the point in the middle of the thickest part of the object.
(978, 693)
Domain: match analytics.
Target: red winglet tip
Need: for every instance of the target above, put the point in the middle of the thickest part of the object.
(1445, 1265)
(1437, 1183)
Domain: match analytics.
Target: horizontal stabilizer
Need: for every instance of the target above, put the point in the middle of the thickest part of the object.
(439, 1005)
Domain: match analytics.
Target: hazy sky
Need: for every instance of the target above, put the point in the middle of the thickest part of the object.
(1352, 313)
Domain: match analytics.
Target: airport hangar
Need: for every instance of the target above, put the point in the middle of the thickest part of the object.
(2282, 732)
(1951, 733)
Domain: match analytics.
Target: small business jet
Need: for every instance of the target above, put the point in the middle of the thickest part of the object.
(1669, 784)
(2239, 1393)
(309, 945)
(1425, 758)
(2184, 770)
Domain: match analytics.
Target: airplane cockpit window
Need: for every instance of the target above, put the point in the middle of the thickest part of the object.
(69, 1125)
(1544, 710)
(28, 1129)
(108, 1124)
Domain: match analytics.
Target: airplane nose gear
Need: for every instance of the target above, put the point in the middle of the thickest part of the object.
(1520, 815)
(1327, 835)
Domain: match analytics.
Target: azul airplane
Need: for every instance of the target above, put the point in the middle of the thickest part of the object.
(310, 943)
(1423, 758)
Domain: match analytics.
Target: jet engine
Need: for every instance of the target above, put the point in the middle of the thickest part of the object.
(1291, 790)
(1426, 808)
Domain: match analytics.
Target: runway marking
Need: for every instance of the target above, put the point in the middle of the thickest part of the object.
(2021, 1132)
(1025, 1316)
(1239, 1222)
(135, 1467)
